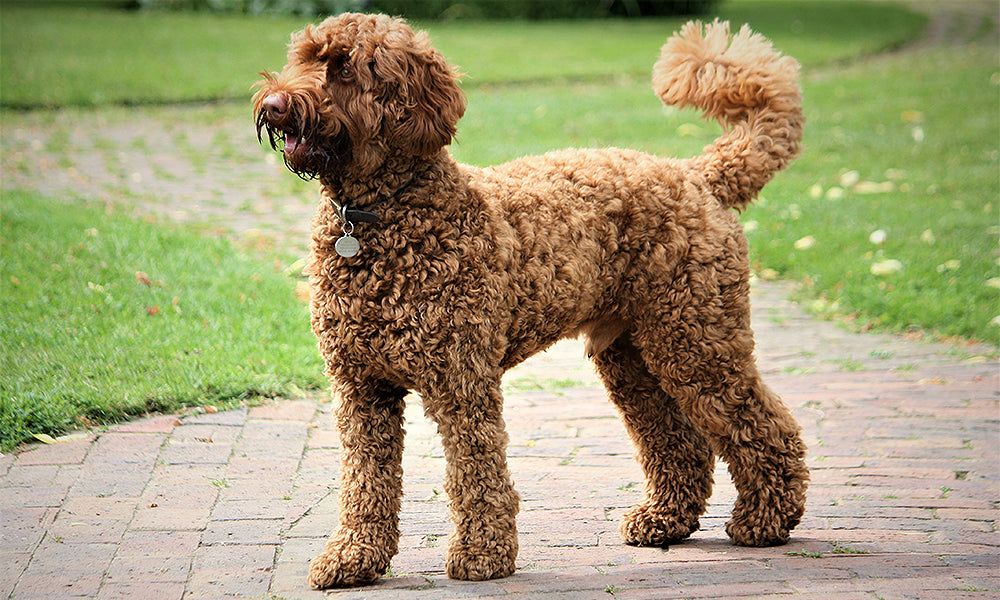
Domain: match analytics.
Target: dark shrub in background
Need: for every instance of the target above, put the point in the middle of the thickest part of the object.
(447, 9)
(540, 9)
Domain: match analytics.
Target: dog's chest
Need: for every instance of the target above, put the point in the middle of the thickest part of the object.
(400, 308)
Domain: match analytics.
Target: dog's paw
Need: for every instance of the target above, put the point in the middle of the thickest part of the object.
(346, 565)
(651, 525)
(767, 519)
(749, 530)
(468, 566)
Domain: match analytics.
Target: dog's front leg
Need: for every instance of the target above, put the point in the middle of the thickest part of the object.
(370, 421)
(481, 496)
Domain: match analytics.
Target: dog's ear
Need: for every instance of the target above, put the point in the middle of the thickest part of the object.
(428, 101)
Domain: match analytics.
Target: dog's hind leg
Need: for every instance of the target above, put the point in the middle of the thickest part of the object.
(370, 421)
(674, 456)
(481, 496)
(703, 356)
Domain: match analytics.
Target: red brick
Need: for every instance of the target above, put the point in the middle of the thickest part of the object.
(146, 590)
(285, 410)
(148, 569)
(206, 433)
(125, 448)
(156, 424)
(12, 564)
(176, 519)
(195, 452)
(33, 497)
(231, 571)
(31, 475)
(704, 591)
(58, 584)
(243, 531)
(154, 544)
(55, 454)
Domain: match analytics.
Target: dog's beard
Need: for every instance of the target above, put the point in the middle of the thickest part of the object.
(309, 159)
(307, 154)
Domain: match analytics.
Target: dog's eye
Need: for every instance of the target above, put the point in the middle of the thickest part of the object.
(345, 73)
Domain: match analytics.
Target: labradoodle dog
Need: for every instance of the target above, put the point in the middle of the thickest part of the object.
(437, 277)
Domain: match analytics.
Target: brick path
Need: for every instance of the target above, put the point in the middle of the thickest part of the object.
(903, 439)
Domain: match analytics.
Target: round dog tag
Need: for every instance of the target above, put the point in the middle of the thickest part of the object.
(347, 246)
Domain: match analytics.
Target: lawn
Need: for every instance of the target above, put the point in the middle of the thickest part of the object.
(888, 221)
(80, 56)
(107, 316)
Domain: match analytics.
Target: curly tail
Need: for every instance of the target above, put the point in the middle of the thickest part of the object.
(750, 88)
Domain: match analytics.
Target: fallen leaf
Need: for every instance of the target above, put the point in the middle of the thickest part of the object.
(949, 265)
(871, 187)
(48, 439)
(993, 282)
(152, 310)
(878, 237)
(143, 279)
(296, 268)
(886, 267)
(849, 178)
(688, 129)
(805, 243)
(835, 193)
(927, 237)
(211, 409)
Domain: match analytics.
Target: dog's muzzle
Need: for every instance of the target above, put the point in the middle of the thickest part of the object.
(275, 118)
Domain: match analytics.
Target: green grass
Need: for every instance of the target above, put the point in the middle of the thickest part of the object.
(84, 334)
(93, 56)
(939, 215)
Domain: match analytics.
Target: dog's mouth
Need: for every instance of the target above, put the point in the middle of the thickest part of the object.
(287, 139)
(293, 143)
(305, 155)
(289, 142)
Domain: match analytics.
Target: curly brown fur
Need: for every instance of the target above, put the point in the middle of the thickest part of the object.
(469, 271)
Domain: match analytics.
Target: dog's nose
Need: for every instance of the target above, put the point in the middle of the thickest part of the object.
(276, 106)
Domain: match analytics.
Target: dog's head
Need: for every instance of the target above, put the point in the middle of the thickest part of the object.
(357, 92)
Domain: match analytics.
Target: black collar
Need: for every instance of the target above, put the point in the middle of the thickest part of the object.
(349, 214)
